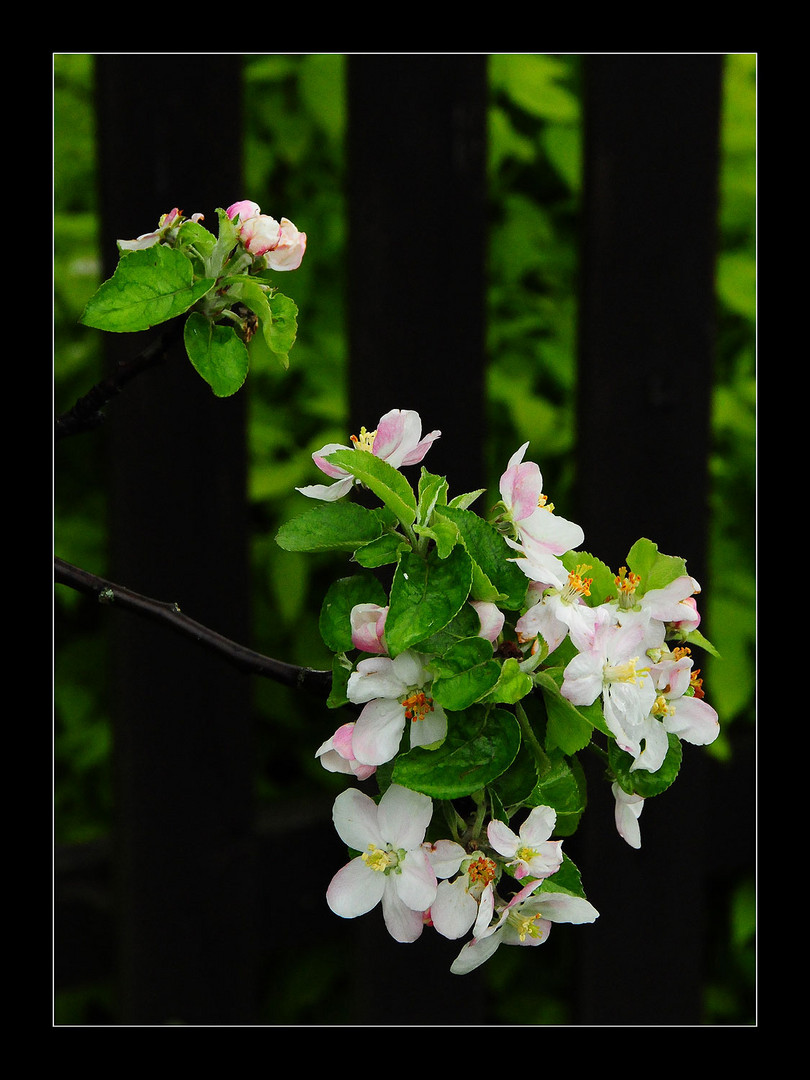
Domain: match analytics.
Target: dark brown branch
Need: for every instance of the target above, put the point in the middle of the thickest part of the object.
(169, 614)
(87, 413)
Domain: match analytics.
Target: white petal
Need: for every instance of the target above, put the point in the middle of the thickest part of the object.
(375, 677)
(695, 721)
(502, 838)
(354, 890)
(404, 816)
(356, 821)
(378, 731)
(446, 856)
(560, 907)
(453, 911)
(416, 884)
(538, 826)
(328, 492)
(475, 953)
(403, 923)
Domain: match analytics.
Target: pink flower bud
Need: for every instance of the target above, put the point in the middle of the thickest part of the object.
(260, 234)
(245, 209)
(289, 251)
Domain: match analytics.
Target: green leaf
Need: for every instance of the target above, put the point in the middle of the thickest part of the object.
(383, 551)
(337, 526)
(491, 554)
(563, 788)
(389, 485)
(481, 744)
(567, 879)
(465, 624)
(218, 354)
(338, 696)
(603, 579)
(568, 728)
(227, 240)
(512, 685)
(641, 781)
(341, 596)
(425, 595)
(655, 570)
(432, 492)
(148, 287)
(464, 673)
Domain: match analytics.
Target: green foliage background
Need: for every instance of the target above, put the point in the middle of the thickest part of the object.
(295, 117)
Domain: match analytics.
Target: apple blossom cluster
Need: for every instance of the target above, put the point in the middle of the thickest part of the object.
(223, 285)
(479, 657)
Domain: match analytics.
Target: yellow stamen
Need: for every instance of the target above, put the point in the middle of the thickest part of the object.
(627, 583)
(363, 441)
(546, 505)
(662, 708)
(626, 671)
(578, 585)
(526, 925)
(378, 860)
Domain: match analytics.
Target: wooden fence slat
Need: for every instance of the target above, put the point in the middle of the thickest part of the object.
(169, 134)
(645, 373)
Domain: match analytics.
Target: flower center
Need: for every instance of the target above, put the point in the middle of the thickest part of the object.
(662, 708)
(627, 583)
(545, 504)
(379, 860)
(417, 705)
(526, 925)
(363, 441)
(577, 584)
(626, 672)
(480, 873)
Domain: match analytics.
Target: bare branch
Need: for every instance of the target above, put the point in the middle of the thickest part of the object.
(169, 614)
(87, 413)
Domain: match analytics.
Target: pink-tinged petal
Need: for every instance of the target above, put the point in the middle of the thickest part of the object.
(260, 234)
(413, 457)
(521, 487)
(355, 890)
(416, 884)
(398, 432)
(490, 617)
(694, 720)
(245, 209)
(404, 816)
(502, 838)
(288, 253)
(331, 470)
(402, 923)
(355, 818)
(368, 627)
(378, 731)
(550, 532)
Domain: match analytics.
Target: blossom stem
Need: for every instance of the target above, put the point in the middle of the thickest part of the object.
(541, 757)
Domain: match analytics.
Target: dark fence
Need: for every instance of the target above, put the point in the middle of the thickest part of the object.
(189, 908)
